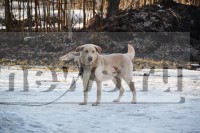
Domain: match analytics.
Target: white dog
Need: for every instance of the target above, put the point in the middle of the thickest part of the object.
(98, 68)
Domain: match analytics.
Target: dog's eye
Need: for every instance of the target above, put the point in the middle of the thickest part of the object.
(86, 51)
(92, 51)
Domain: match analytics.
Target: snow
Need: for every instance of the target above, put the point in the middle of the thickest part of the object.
(2, 27)
(157, 111)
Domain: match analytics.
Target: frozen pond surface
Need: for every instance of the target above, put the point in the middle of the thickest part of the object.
(156, 112)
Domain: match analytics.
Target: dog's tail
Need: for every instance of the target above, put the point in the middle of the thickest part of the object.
(131, 51)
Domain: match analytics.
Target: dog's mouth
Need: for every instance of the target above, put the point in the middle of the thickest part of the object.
(89, 63)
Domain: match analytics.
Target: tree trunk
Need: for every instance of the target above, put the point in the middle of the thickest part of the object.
(36, 14)
(113, 6)
(8, 18)
(84, 14)
(29, 16)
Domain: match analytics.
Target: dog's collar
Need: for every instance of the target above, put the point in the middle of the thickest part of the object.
(80, 71)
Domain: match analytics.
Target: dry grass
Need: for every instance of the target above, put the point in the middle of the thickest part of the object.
(139, 63)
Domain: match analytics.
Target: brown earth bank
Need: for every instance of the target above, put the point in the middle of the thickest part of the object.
(161, 34)
(27, 49)
(170, 17)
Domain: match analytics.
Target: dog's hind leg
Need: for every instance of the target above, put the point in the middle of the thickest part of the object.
(117, 82)
(128, 80)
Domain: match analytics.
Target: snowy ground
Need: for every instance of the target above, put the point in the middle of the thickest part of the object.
(156, 112)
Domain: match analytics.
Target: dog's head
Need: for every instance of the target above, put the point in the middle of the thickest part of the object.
(88, 53)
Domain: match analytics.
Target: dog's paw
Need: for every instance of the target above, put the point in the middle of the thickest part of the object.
(83, 103)
(96, 104)
(134, 102)
(116, 101)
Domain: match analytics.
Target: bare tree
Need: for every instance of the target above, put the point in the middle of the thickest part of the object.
(29, 16)
(113, 6)
(8, 18)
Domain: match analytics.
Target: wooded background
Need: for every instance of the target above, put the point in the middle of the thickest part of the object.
(55, 15)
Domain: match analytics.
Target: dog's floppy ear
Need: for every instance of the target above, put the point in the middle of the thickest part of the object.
(99, 49)
(78, 49)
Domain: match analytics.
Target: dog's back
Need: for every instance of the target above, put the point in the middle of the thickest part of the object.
(119, 60)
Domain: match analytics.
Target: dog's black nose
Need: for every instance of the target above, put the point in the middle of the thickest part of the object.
(90, 58)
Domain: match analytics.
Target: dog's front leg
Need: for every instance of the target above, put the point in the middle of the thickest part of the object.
(99, 86)
(86, 77)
